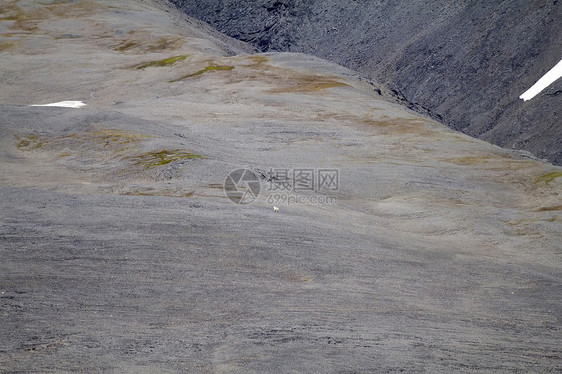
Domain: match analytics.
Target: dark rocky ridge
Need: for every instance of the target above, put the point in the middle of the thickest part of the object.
(464, 62)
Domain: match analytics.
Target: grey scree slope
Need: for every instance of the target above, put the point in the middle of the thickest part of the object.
(121, 253)
(463, 62)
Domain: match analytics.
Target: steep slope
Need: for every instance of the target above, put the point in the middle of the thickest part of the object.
(428, 250)
(466, 62)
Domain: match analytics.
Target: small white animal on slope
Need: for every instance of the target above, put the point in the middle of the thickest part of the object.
(275, 209)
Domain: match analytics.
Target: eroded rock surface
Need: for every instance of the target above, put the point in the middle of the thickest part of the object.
(464, 62)
(120, 251)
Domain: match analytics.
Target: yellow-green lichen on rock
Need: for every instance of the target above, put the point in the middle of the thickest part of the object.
(139, 44)
(161, 63)
(29, 142)
(549, 177)
(163, 157)
(211, 68)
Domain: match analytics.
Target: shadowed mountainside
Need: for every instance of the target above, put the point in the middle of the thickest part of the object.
(463, 62)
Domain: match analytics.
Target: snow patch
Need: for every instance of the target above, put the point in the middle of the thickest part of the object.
(65, 104)
(549, 78)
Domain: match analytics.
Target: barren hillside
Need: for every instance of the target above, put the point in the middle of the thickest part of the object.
(465, 63)
(128, 245)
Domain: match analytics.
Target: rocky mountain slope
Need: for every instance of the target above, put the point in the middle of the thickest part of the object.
(465, 62)
(427, 251)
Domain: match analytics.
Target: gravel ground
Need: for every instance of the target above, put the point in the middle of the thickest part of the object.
(121, 251)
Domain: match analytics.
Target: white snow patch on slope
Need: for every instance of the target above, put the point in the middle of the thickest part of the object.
(65, 104)
(549, 78)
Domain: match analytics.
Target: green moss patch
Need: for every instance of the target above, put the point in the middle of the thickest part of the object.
(106, 137)
(148, 45)
(126, 45)
(161, 63)
(98, 138)
(307, 83)
(27, 17)
(470, 161)
(154, 159)
(211, 68)
(549, 177)
(10, 11)
(29, 142)
(258, 60)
